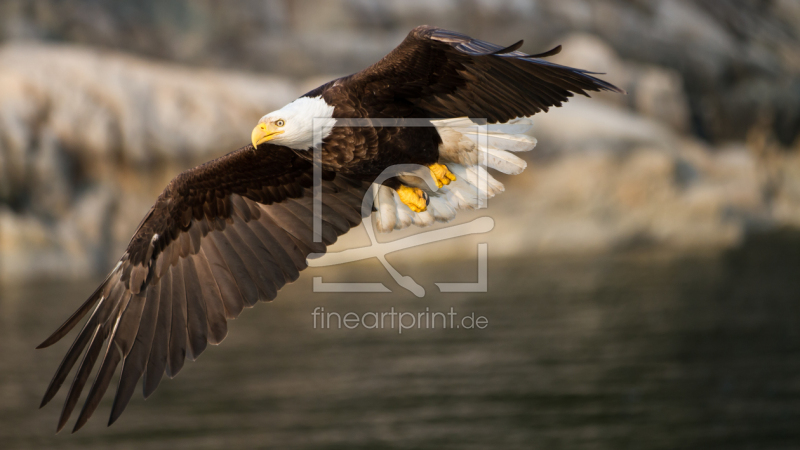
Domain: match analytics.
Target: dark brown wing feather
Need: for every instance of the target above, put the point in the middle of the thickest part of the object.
(219, 238)
(444, 74)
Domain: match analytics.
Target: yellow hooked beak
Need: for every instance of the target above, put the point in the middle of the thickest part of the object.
(263, 132)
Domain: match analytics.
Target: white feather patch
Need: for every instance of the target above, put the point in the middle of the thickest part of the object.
(386, 210)
(505, 162)
(463, 146)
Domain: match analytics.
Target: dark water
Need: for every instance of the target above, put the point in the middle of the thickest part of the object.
(624, 352)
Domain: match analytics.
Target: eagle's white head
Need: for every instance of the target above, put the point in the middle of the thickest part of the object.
(293, 125)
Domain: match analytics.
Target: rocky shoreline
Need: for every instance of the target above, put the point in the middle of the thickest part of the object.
(88, 138)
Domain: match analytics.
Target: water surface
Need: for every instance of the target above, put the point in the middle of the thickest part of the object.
(622, 352)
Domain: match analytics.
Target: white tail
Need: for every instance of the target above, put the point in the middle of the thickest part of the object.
(464, 145)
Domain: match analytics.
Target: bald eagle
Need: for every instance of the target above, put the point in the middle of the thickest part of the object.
(233, 231)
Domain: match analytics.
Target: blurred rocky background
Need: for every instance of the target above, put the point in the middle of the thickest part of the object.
(101, 103)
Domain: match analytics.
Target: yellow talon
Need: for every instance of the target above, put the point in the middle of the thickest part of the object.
(414, 198)
(441, 174)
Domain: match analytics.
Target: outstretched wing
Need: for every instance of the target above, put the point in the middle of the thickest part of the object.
(448, 75)
(221, 237)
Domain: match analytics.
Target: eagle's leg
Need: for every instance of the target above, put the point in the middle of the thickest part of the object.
(414, 198)
(441, 174)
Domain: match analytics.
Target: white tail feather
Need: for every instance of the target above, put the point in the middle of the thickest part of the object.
(442, 210)
(386, 209)
(505, 162)
(507, 142)
(463, 144)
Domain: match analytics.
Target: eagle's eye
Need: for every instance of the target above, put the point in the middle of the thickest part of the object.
(279, 123)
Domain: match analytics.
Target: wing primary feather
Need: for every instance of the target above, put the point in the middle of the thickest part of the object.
(331, 216)
(288, 222)
(278, 252)
(77, 315)
(103, 379)
(255, 211)
(177, 336)
(79, 381)
(501, 51)
(112, 358)
(185, 243)
(122, 339)
(237, 268)
(350, 214)
(195, 233)
(196, 323)
(285, 240)
(273, 271)
(253, 266)
(157, 360)
(84, 337)
(552, 52)
(125, 332)
(299, 228)
(241, 208)
(135, 362)
(108, 310)
(215, 308)
(231, 295)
